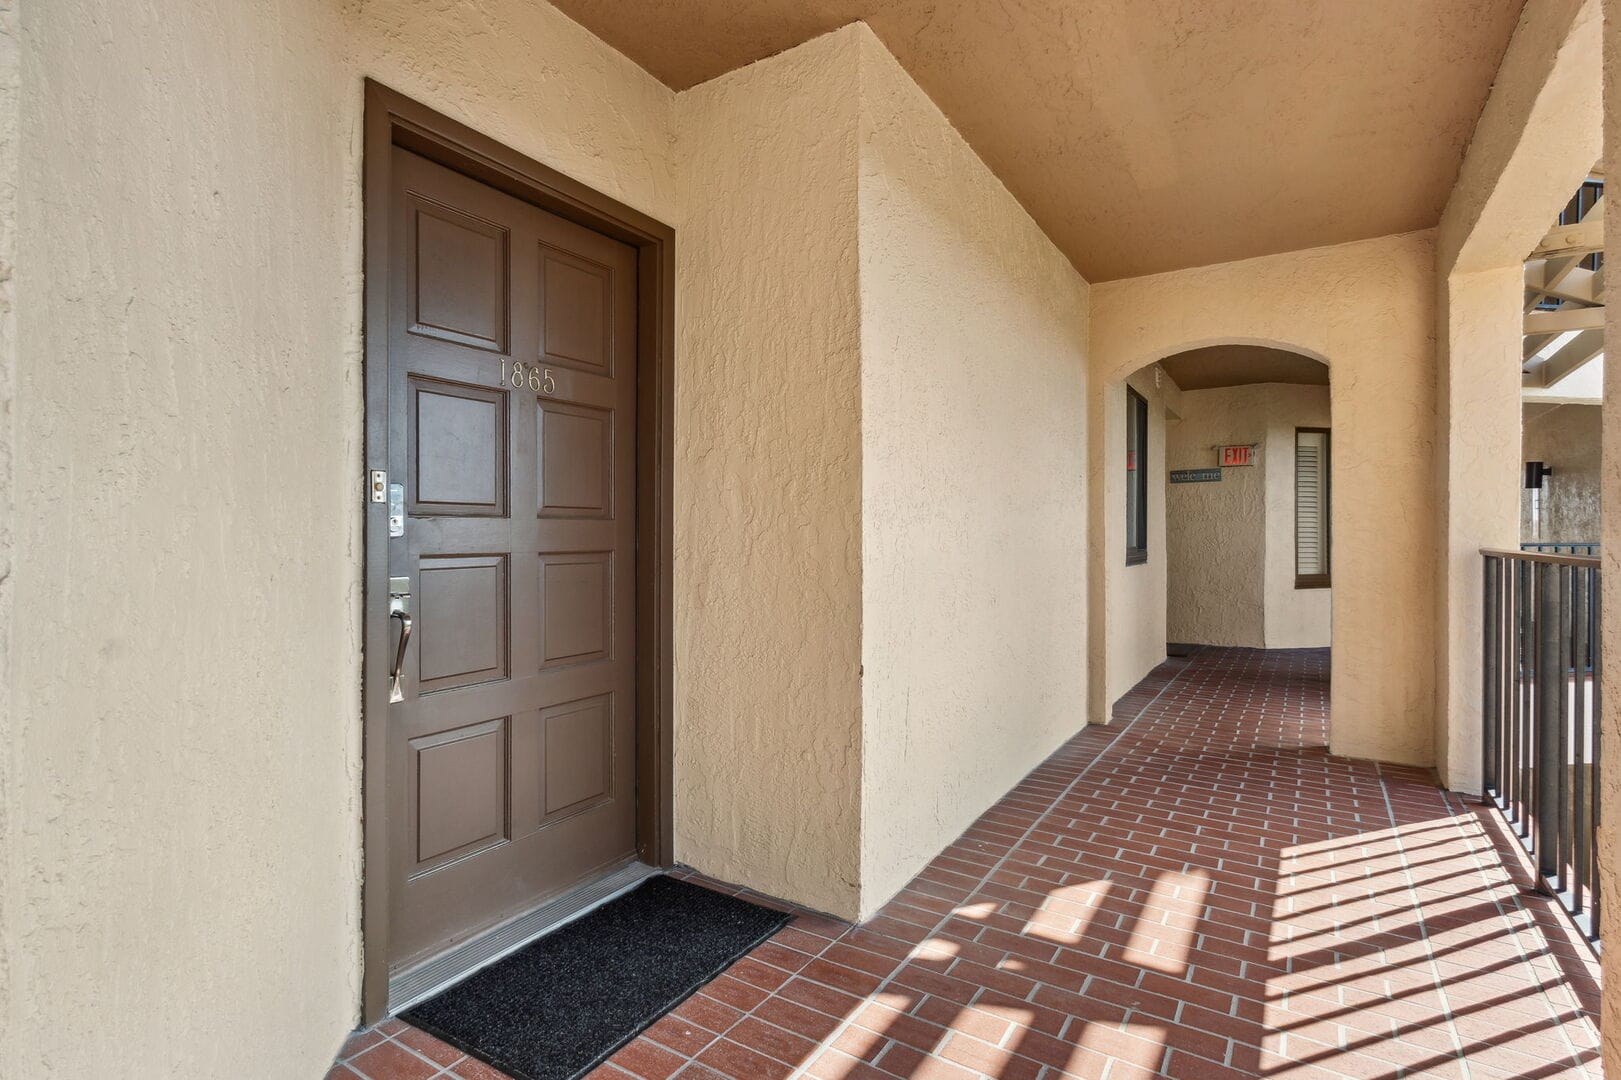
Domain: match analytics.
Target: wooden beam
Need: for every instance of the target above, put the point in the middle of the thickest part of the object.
(1573, 354)
(1566, 318)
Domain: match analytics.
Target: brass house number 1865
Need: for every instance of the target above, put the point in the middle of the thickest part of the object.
(536, 378)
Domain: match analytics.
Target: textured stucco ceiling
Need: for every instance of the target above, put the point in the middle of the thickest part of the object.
(1149, 135)
(1241, 365)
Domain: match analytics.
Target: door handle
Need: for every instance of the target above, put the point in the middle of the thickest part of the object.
(399, 607)
(394, 692)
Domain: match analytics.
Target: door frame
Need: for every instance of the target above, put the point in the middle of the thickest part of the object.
(392, 119)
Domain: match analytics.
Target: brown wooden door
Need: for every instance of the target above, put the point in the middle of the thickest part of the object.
(512, 404)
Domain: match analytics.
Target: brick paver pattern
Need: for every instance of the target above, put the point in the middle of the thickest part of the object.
(1194, 890)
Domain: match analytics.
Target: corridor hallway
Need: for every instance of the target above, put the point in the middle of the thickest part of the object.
(1197, 890)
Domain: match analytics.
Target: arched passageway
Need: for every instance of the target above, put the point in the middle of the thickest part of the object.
(1246, 479)
(1357, 308)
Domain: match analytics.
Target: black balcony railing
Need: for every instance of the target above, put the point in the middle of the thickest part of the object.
(1561, 547)
(1540, 716)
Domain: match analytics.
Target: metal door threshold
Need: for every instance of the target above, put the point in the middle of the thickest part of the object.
(423, 980)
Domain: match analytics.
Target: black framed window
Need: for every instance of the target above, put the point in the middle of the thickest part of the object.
(1136, 478)
(1312, 485)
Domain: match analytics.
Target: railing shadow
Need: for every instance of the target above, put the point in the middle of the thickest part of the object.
(1204, 900)
(1205, 906)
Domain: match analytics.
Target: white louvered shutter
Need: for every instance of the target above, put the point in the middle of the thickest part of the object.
(1311, 503)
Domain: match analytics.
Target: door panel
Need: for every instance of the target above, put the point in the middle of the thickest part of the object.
(459, 796)
(578, 754)
(457, 443)
(512, 407)
(576, 302)
(576, 607)
(574, 445)
(458, 278)
(462, 611)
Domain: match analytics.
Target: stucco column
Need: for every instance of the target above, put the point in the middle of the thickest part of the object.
(1609, 782)
(1097, 579)
(1126, 627)
(1478, 405)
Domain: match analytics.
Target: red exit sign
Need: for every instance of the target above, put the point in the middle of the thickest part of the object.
(1237, 455)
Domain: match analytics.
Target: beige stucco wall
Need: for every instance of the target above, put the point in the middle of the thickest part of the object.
(1295, 618)
(1535, 141)
(1230, 544)
(1609, 851)
(184, 686)
(181, 869)
(768, 478)
(1126, 631)
(524, 74)
(1566, 438)
(181, 704)
(1480, 325)
(1537, 136)
(1215, 533)
(10, 85)
(973, 406)
(1371, 317)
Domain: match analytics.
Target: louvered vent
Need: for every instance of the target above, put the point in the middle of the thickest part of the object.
(1311, 508)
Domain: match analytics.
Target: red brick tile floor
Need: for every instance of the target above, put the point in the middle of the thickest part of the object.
(1195, 890)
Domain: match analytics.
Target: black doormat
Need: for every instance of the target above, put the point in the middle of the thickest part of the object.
(560, 1006)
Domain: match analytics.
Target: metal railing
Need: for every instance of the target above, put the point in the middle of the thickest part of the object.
(1540, 715)
(1585, 548)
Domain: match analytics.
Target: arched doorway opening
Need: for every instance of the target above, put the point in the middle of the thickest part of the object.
(1248, 532)
(1229, 461)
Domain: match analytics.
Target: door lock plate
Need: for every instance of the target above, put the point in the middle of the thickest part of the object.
(396, 510)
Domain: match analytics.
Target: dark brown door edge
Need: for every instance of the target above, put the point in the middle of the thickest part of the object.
(393, 120)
